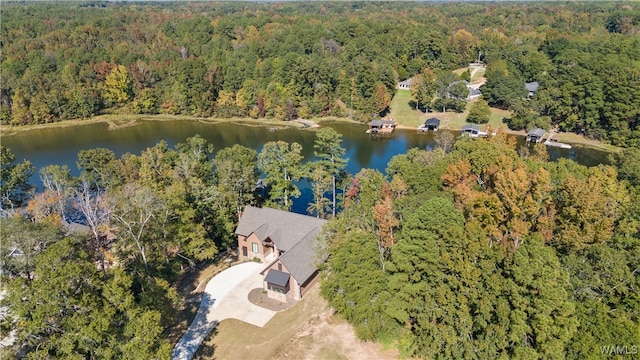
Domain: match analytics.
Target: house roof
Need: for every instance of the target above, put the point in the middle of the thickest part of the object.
(432, 122)
(284, 228)
(303, 259)
(278, 278)
(536, 132)
(295, 234)
(74, 228)
(474, 91)
(405, 82)
(381, 122)
(531, 86)
(470, 127)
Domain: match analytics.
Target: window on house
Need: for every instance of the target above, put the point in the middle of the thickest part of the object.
(254, 248)
(276, 288)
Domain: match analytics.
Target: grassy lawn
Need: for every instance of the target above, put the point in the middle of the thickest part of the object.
(305, 331)
(477, 76)
(455, 121)
(410, 118)
(404, 114)
(459, 72)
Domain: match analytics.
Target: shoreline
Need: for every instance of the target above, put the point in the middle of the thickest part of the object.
(115, 122)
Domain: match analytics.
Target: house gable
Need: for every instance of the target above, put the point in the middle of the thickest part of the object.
(303, 259)
(289, 242)
(284, 228)
(278, 278)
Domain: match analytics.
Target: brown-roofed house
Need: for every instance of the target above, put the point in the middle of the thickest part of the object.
(287, 242)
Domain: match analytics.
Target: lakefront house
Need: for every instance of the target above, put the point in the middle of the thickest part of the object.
(287, 242)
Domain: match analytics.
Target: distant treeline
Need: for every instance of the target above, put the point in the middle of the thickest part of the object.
(289, 60)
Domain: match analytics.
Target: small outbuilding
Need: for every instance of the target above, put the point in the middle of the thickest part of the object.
(405, 85)
(384, 127)
(535, 135)
(472, 131)
(473, 93)
(430, 124)
(531, 87)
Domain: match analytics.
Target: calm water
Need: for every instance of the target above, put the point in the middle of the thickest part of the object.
(60, 146)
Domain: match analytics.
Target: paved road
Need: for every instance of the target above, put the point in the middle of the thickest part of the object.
(225, 297)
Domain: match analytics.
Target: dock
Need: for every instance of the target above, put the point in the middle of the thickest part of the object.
(555, 143)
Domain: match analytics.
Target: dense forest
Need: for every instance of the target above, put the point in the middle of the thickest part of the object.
(480, 253)
(103, 250)
(289, 60)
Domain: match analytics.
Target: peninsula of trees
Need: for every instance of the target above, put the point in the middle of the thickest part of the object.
(472, 250)
(289, 60)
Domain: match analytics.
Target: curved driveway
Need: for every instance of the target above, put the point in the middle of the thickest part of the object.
(225, 297)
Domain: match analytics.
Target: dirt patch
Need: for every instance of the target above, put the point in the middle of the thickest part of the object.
(308, 330)
(307, 123)
(327, 337)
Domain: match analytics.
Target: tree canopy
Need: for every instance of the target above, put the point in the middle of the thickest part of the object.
(494, 255)
(283, 61)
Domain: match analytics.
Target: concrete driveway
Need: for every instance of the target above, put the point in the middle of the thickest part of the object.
(225, 297)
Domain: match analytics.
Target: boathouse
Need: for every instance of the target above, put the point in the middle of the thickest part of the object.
(430, 124)
(535, 135)
(470, 130)
(384, 127)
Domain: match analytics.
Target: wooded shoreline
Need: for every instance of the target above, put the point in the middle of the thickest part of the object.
(119, 121)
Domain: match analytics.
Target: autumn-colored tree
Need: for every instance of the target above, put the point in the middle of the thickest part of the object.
(20, 113)
(43, 207)
(507, 199)
(382, 98)
(118, 86)
(589, 208)
(465, 45)
(386, 222)
(58, 181)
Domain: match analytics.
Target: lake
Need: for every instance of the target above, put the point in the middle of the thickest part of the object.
(60, 146)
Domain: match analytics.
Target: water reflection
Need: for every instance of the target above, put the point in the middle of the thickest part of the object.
(60, 146)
